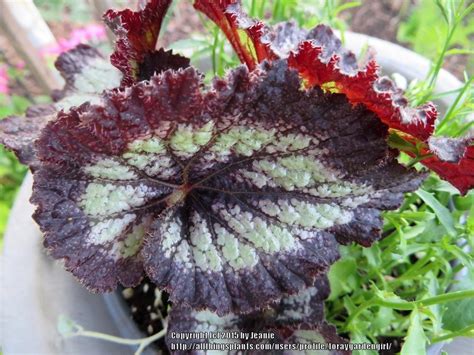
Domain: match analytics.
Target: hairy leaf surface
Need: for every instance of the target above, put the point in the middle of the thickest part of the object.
(228, 196)
(19, 133)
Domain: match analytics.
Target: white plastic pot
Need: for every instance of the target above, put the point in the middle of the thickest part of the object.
(35, 290)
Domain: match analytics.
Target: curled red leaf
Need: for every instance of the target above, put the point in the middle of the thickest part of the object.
(322, 63)
(137, 33)
(451, 158)
(246, 35)
(460, 174)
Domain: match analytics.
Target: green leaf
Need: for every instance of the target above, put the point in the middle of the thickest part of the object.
(372, 255)
(383, 319)
(460, 314)
(359, 338)
(67, 327)
(389, 296)
(346, 6)
(464, 203)
(4, 212)
(443, 214)
(455, 51)
(470, 221)
(342, 277)
(460, 254)
(415, 341)
(397, 142)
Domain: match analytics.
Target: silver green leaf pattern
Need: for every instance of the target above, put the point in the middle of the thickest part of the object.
(226, 196)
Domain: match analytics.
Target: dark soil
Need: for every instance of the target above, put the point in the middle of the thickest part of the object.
(147, 305)
(381, 19)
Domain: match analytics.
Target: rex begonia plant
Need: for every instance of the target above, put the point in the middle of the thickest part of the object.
(232, 197)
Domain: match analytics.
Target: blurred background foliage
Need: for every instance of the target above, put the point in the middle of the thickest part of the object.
(427, 241)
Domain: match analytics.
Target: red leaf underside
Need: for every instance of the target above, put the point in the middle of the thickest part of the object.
(365, 86)
(244, 34)
(137, 33)
(451, 158)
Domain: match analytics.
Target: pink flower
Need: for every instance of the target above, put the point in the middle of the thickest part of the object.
(3, 80)
(89, 33)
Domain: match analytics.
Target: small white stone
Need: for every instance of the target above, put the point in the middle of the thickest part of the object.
(127, 293)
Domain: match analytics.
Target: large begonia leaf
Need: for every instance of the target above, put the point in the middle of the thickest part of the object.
(228, 196)
(296, 322)
(137, 33)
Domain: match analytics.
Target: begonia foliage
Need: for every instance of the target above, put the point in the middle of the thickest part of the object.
(232, 196)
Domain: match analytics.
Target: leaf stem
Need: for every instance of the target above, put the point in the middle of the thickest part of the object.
(463, 332)
(448, 115)
(418, 159)
(406, 305)
(142, 342)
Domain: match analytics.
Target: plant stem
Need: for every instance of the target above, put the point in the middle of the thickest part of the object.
(253, 8)
(149, 340)
(142, 342)
(418, 159)
(213, 53)
(448, 115)
(462, 332)
(434, 72)
(408, 306)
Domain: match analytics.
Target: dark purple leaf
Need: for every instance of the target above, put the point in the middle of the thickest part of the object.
(228, 196)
